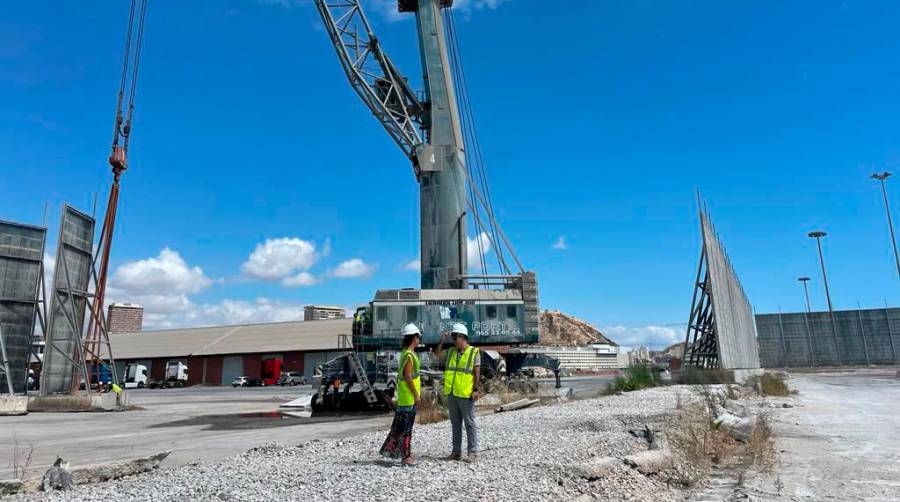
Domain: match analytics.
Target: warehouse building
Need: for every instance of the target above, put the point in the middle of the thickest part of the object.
(216, 355)
(595, 357)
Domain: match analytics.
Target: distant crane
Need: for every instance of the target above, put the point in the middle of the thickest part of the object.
(118, 161)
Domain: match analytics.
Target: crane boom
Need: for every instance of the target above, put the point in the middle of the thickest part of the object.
(438, 161)
(373, 75)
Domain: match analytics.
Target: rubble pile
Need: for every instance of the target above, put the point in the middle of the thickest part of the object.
(571, 451)
(562, 329)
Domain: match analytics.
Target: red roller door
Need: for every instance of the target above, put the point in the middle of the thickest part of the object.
(195, 370)
(252, 365)
(213, 370)
(158, 369)
(293, 361)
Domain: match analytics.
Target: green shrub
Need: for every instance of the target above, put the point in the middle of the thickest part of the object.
(636, 378)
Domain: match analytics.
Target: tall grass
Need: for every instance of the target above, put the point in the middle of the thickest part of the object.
(770, 385)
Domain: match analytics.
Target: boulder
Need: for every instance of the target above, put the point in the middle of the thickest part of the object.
(739, 428)
(651, 461)
(595, 468)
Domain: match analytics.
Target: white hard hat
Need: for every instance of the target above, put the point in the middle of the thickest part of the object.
(411, 329)
(459, 329)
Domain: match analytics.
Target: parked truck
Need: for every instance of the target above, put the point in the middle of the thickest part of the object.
(176, 375)
(136, 376)
(271, 371)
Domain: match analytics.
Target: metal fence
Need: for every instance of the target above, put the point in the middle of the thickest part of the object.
(855, 337)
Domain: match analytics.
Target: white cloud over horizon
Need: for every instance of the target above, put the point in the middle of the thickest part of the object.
(225, 312)
(354, 268)
(655, 337)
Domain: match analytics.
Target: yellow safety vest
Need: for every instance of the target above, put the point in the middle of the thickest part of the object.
(459, 376)
(405, 395)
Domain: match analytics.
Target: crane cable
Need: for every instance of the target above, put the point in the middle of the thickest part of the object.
(118, 160)
(122, 127)
(477, 175)
(471, 198)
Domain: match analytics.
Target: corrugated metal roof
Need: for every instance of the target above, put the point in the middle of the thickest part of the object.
(241, 339)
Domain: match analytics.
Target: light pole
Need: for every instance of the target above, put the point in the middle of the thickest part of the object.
(817, 235)
(812, 353)
(805, 280)
(883, 178)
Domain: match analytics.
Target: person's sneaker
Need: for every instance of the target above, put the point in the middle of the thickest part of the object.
(453, 456)
(472, 458)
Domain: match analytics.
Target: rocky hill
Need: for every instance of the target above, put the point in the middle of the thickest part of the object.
(561, 329)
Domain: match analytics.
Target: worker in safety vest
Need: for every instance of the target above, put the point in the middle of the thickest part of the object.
(462, 373)
(409, 387)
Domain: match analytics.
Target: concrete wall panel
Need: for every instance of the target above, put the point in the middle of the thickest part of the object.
(857, 337)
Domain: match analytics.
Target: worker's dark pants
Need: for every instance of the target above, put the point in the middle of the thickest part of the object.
(463, 410)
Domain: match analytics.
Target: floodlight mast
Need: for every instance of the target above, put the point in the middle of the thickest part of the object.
(438, 158)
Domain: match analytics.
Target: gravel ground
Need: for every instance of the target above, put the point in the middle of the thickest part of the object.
(524, 456)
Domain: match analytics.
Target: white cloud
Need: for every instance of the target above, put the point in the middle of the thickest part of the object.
(560, 243)
(279, 258)
(299, 280)
(353, 268)
(472, 249)
(167, 273)
(226, 312)
(412, 265)
(655, 337)
(161, 284)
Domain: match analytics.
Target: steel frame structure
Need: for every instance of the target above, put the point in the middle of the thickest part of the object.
(721, 330)
(373, 75)
(28, 257)
(68, 306)
(701, 342)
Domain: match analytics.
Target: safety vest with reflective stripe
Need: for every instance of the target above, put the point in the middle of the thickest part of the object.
(459, 376)
(405, 395)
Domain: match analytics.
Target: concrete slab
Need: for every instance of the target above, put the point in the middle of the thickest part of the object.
(13, 405)
(108, 401)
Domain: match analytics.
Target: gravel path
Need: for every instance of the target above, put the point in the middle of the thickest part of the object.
(525, 455)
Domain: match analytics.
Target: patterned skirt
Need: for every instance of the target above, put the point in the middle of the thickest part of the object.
(399, 440)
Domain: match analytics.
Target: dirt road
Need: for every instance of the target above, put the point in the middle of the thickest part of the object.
(841, 440)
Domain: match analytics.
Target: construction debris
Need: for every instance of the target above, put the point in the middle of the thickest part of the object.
(517, 405)
(58, 477)
(61, 477)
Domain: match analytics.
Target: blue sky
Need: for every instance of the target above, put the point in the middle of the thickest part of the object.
(260, 183)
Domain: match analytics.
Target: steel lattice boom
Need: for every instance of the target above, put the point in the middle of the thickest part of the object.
(372, 74)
